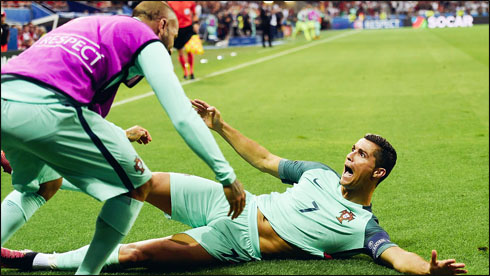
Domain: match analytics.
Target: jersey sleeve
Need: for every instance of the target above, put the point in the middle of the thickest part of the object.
(290, 171)
(376, 240)
(156, 65)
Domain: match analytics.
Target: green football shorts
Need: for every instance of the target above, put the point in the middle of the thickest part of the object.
(46, 141)
(201, 204)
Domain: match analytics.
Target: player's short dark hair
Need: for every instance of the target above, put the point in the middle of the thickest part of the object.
(385, 155)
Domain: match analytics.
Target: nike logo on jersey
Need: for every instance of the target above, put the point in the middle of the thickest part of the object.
(316, 182)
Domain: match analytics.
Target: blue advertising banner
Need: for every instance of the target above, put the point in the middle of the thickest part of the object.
(339, 23)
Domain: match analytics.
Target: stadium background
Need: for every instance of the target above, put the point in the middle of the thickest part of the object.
(425, 89)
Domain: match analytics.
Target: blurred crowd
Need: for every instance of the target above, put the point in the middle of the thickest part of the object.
(225, 19)
(63, 5)
(408, 8)
(220, 20)
(333, 8)
(28, 34)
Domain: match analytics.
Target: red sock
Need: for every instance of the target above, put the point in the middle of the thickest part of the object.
(182, 62)
(190, 58)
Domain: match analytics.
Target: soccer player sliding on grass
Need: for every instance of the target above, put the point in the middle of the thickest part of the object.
(323, 215)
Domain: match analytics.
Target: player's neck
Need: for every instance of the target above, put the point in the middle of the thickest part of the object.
(361, 196)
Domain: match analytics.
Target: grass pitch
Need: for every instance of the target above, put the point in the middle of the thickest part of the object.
(426, 91)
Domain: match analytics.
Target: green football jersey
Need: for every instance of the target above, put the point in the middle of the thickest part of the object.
(314, 216)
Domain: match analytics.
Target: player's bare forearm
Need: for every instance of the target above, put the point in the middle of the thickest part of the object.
(250, 150)
(411, 263)
(405, 262)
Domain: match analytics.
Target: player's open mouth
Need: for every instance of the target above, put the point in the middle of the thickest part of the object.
(348, 172)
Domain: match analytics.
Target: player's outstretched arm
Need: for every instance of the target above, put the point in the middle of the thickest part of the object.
(408, 262)
(157, 68)
(248, 149)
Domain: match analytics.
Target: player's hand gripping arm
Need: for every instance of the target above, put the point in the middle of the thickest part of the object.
(156, 65)
(248, 149)
(408, 262)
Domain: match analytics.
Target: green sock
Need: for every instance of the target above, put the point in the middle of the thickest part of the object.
(73, 259)
(17, 208)
(113, 223)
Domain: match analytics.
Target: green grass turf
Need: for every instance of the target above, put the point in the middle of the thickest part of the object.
(426, 91)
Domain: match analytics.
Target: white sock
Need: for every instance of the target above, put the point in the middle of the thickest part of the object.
(70, 260)
(44, 261)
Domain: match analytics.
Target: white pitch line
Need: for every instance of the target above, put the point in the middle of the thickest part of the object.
(246, 64)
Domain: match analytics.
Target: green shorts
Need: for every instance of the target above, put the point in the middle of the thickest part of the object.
(44, 142)
(201, 204)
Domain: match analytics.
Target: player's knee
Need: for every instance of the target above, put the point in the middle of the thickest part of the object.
(48, 189)
(157, 181)
(141, 192)
(159, 178)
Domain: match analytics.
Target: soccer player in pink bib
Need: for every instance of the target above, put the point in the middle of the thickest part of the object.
(55, 96)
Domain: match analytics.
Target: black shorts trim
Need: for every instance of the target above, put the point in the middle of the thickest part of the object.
(105, 152)
(183, 36)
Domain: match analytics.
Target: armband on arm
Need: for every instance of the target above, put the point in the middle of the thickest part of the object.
(377, 244)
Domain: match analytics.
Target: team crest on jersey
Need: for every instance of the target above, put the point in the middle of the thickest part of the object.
(138, 165)
(346, 215)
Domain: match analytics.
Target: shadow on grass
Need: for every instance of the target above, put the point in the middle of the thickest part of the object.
(161, 270)
(277, 266)
(174, 269)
